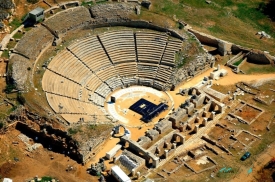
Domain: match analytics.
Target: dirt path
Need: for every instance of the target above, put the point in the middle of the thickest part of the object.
(258, 164)
(230, 79)
(233, 78)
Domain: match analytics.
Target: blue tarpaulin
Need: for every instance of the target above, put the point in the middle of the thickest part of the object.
(222, 169)
(249, 171)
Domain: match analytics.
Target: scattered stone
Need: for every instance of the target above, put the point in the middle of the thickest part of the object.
(263, 34)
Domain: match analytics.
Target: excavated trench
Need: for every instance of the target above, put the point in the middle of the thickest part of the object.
(55, 140)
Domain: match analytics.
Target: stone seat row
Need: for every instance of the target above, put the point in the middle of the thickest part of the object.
(62, 104)
(97, 99)
(84, 95)
(55, 83)
(153, 36)
(91, 53)
(127, 81)
(92, 83)
(169, 52)
(163, 73)
(114, 83)
(107, 73)
(126, 69)
(103, 90)
(69, 66)
(120, 47)
(123, 34)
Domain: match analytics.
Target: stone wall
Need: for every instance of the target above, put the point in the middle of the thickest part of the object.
(205, 39)
(147, 25)
(254, 56)
(260, 57)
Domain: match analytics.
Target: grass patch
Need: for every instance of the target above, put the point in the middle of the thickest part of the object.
(27, 28)
(73, 131)
(18, 35)
(270, 69)
(15, 24)
(250, 68)
(44, 179)
(5, 54)
(236, 22)
(9, 87)
(215, 29)
(237, 63)
(91, 3)
(101, 1)
(11, 44)
(92, 127)
(248, 12)
(21, 99)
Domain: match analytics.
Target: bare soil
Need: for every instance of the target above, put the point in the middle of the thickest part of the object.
(36, 163)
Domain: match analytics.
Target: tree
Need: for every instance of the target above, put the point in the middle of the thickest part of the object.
(32, 1)
(1, 125)
(21, 99)
(268, 9)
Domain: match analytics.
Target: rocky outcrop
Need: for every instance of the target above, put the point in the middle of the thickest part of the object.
(3, 15)
(191, 69)
(5, 6)
(19, 71)
(113, 11)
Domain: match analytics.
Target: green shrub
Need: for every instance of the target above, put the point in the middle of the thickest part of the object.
(93, 127)
(1, 125)
(32, 1)
(237, 63)
(5, 54)
(9, 88)
(21, 99)
(15, 23)
(72, 131)
(23, 17)
(180, 26)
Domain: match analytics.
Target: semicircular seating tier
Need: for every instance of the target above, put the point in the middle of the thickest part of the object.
(79, 78)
